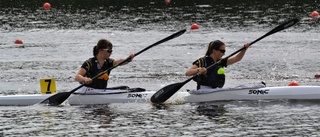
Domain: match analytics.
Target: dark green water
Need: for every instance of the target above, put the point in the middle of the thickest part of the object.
(144, 14)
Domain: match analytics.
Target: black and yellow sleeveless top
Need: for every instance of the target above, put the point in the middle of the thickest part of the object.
(93, 69)
(215, 76)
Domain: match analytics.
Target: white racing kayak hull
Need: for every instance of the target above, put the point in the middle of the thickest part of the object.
(130, 97)
(266, 93)
(22, 100)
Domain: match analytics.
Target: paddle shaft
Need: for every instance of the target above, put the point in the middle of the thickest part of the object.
(61, 97)
(283, 26)
(167, 91)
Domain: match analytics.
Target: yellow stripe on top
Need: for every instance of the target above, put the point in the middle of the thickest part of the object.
(201, 62)
(88, 64)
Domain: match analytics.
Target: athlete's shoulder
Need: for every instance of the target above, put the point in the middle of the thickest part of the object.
(200, 62)
(88, 63)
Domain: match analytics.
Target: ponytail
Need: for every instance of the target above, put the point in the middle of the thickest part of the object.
(95, 50)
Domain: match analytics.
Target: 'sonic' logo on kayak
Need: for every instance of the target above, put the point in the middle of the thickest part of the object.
(136, 95)
(257, 92)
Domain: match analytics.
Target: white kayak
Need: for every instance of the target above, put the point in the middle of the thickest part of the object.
(90, 99)
(225, 94)
(22, 100)
(264, 93)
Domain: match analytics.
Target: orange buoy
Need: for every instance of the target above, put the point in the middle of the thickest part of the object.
(18, 41)
(46, 6)
(194, 26)
(293, 83)
(167, 1)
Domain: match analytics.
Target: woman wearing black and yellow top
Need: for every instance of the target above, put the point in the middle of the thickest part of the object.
(215, 76)
(100, 62)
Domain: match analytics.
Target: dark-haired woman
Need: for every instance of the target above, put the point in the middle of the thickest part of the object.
(215, 76)
(92, 67)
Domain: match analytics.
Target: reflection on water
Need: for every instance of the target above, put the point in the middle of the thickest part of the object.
(237, 118)
(211, 110)
(100, 113)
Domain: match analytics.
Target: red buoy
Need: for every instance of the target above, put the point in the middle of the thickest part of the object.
(18, 41)
(194, 26)
(314, 14)
(317, 76)
(293, 83)
(46, 6)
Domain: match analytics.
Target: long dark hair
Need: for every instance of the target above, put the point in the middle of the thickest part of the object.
(214, 45)
(102, 44)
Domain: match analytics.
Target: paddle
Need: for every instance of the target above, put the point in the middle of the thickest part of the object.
(166, 92)
(58, 98)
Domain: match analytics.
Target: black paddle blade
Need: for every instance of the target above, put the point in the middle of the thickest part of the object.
(56, 99)
(165, 93)
(280, 27)
(285, 25)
